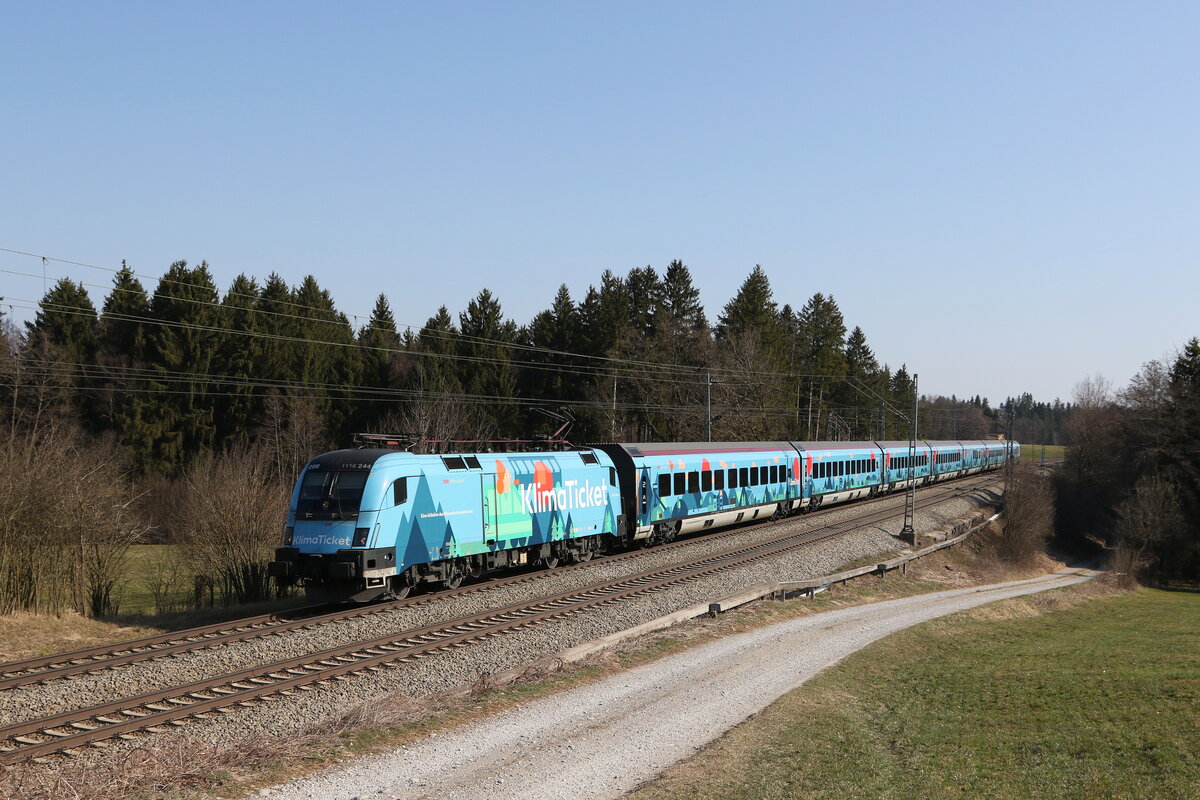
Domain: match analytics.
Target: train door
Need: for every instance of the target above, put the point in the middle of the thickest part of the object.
(490, 526)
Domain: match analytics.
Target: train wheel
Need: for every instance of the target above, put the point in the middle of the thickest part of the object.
(401, 586)
(456, 570)
(587, 549)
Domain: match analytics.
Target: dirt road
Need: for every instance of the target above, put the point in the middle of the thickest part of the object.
(603, 739)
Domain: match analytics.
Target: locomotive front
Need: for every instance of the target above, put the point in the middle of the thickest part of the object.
(335, 509)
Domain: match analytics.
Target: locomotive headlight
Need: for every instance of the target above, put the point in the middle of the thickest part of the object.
(287, 536)
(360, 537)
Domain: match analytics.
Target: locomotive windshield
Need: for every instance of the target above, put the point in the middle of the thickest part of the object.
(333, 493)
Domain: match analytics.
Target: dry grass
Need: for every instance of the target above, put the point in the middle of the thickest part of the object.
(177, 767)
(24, 635)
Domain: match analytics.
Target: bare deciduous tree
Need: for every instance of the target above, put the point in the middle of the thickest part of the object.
(66, 523)
(1151, 516)
(229, 519)
(1028, 514)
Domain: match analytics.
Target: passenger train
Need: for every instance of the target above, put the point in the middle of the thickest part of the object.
(375, 522)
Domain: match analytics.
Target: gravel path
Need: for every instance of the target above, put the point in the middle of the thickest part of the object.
(603, 739)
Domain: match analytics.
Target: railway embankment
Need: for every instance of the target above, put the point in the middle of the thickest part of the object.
(427, 680)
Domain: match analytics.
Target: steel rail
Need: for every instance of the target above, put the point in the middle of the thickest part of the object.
(110, 656)
(150, 711)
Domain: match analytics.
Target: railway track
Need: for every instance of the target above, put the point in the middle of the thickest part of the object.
(110, 656)
(163, 710)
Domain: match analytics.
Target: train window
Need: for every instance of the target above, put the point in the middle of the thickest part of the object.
(745, 476)
(733, 479)
(719, 480)
(588, 458)
(706, 481)
(693, 480)
(680, 483)
(400, 491)
(764, 474)
(664, 484)
(472, 462)
(774, 474)
(454, 462)
(612, 476)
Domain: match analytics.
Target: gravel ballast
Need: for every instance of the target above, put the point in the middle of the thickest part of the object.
(466, 666)
(602, 739)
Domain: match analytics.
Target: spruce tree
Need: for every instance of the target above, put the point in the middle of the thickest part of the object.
(437, 368)
(1184, 422)
(862, 386)
(645, 292)
(753, 310)
(326, 356)
(280, 318)
(681, 299)
(122, 340)
(822, 358)
(61, 345)
(67, 319)
(238, 405)
(484, 366)
(174, 421)
(551, 374)
(605, 315)
(381, 362)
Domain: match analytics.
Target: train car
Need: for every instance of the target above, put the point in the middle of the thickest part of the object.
(369, 523)
(679, 487)
(997, 453)
(898, 470)
(974, 457)
(945, 460)
(837, 472)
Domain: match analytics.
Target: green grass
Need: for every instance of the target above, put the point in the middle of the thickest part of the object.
(141, 564)
(144, 564)
(1033, 452)
(1101, 699)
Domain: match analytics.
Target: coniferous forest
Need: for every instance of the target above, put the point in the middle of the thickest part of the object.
(188, 370)
(183, 414)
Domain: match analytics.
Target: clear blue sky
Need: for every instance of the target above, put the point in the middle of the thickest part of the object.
(1021, 176)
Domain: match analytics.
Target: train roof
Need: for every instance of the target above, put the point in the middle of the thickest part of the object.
(693, 448)
(835, 445)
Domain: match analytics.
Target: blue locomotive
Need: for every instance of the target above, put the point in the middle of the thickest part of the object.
(376, 522)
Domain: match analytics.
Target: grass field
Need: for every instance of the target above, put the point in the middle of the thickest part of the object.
(1037, 697)
(142, 564)
(1033, 452)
